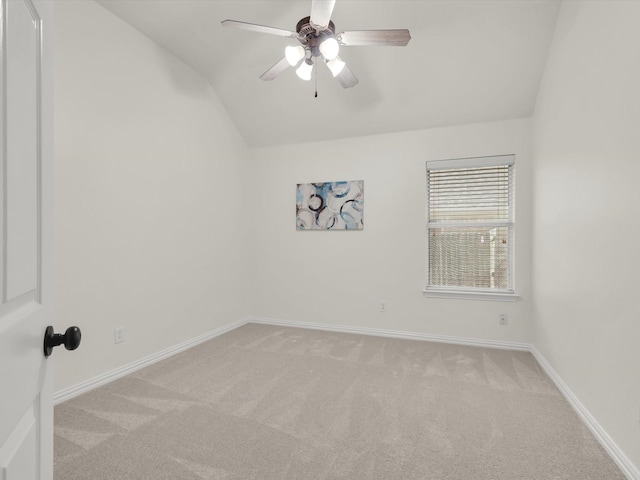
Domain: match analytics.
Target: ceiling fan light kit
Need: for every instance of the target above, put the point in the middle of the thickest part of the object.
(305, 69)
(294, 54)
(329, 48)
(336, 65)
(319, 41)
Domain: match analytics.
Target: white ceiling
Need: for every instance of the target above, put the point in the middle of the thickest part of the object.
(467, 62)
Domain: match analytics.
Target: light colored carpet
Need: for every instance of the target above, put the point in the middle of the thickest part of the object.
(264, 402)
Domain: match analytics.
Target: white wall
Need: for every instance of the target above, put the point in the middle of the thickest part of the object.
(150, 174)
(340, 277)
(586, 217)
(152, 180)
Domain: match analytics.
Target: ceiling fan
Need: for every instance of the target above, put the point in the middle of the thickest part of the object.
(319, 43)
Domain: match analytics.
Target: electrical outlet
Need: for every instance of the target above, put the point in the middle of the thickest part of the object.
(118, 335)
(502, 319)
(383, 307)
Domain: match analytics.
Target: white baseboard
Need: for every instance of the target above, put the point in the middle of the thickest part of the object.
(621, 460)
(618, 456)
(378, 332)
(95, 382)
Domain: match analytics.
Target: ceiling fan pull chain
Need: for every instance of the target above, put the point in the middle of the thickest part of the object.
(316, 75)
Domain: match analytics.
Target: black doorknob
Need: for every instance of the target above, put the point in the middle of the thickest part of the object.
(70, 339)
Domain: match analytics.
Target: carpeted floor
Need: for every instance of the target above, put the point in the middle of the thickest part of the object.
(267, 403)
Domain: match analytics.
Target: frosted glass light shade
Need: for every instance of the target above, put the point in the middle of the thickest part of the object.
(304, 70)
(329, 48)
(294, 54)
(336, 65)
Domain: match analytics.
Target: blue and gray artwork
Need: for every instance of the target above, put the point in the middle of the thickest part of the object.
(330, 206)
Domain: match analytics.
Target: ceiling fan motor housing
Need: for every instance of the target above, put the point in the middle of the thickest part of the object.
(310, 36)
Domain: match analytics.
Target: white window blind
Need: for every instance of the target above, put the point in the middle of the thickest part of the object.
(470, 224)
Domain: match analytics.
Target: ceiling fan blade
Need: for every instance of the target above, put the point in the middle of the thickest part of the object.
(321, 11)
(346, 78)
(357, 38)
(276, 70)
(252, 27)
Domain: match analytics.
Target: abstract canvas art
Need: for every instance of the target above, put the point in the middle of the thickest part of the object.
(330, 206)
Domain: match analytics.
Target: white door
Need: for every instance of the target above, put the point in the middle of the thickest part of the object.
(26, 177)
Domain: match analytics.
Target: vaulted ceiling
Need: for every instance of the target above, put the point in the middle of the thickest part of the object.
(467, 62)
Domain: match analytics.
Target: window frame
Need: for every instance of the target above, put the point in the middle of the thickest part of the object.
(475, 293)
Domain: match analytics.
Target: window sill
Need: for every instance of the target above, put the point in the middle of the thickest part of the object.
(469, 295)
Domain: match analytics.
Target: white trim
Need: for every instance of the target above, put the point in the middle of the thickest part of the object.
(617, 455)
(378, 332)
(472, 162)
(95, 382)
(469, 295)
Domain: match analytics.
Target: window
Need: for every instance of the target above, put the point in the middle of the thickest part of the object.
(470, 227)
